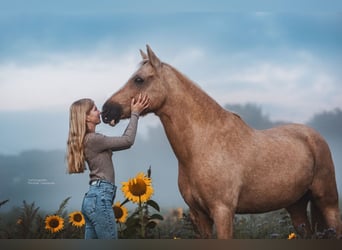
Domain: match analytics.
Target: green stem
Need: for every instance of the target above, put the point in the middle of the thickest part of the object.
(121, 231)
(142, 223)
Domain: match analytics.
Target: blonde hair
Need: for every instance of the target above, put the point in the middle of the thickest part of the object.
(77, 131)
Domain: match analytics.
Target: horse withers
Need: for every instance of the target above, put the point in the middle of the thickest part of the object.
(225, 166)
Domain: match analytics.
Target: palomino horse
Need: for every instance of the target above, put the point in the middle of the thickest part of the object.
(227, 167)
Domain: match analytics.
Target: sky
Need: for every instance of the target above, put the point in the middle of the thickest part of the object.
(287, 62)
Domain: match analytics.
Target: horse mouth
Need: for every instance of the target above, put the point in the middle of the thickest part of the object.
(111, 112)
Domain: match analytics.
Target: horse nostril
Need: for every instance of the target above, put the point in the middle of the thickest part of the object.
(105, 118)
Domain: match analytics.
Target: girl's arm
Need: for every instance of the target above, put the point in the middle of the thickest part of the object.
(115, 143)
(99, 142)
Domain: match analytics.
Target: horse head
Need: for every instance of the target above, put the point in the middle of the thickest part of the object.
(145, 80)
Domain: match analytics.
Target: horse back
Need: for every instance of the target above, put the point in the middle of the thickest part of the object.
(299, 134)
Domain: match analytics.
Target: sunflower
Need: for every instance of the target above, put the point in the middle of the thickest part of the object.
(76, 219)
(120, 212)
(138, 189)
(292, 236)
(54, 223)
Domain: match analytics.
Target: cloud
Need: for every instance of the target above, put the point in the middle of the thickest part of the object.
(60, 79)
(292, 90)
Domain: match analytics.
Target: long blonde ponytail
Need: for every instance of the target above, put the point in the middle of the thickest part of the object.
(77, 131)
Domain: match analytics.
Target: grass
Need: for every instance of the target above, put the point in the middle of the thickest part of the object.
(28, 221)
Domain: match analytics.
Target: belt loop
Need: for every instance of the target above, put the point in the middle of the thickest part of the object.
(98, 182)
(95, 183)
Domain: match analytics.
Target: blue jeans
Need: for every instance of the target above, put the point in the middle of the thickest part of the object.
(98, 212)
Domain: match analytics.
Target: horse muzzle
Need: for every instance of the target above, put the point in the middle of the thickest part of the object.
(110, 112)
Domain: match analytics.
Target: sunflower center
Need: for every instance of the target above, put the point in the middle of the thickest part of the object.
(138, 187)
(54, 223)
(77, 217)
(118, 212)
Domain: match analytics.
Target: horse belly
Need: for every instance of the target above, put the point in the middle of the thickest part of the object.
(275, 189)
(261, 204)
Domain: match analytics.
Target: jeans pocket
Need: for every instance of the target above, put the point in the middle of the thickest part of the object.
(108, 194)
(89, 204)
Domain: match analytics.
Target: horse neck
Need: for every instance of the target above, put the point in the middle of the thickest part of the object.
(186, 102)
(189, 114)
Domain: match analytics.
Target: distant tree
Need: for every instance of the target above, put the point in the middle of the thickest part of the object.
(252, 115)
(329, 123)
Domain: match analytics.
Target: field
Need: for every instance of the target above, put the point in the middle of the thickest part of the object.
(146, 221)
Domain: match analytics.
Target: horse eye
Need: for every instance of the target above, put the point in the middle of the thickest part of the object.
(138, 80)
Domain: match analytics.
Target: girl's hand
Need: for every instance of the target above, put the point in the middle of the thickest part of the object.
(139, 105)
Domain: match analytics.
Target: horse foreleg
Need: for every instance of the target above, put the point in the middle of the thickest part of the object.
(223, 219)
(202, 222)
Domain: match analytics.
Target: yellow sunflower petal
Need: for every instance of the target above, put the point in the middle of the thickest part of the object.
(138, 189)
(54, 223)
(121, 212)
(77, 219)
(292, 236)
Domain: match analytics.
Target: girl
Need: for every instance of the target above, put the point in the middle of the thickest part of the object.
(84, 145)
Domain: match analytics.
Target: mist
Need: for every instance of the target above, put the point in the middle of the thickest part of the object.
(40, 175)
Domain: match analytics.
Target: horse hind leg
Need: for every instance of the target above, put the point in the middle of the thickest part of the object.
(325, 215)
(325, 210)
(324, 194)
(299, 216)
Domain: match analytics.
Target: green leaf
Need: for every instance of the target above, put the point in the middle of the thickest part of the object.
(132, 223)
(156, 217)
(3, 202)
(153, 204)
(62, 206)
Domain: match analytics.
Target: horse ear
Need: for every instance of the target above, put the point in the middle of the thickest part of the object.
(143, 55)
(154, 60)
